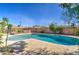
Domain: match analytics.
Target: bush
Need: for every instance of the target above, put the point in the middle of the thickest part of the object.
(53, 28)
(56, 29)
(77, 33)
(18, 30)
(60, 29)
(1, 34)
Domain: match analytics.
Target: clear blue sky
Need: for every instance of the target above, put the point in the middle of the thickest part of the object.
(31, 14)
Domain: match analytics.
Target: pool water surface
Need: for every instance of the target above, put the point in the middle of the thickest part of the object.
(57, 39)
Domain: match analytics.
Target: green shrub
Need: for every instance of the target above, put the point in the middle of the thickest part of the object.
(60, 29)
(77, 33)
(53, 28)
(1, 34)
(19, 30)
(56, 29)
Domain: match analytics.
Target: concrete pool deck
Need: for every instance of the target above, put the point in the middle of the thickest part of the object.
(36, 44)
(33, 44)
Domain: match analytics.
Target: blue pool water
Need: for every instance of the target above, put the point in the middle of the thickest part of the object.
(48, 38)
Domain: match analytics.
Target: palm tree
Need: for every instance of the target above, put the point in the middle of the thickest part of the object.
(9, 28)
(3, 25)
(5, 20)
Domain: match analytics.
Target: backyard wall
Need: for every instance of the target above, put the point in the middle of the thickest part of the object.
(68, 31)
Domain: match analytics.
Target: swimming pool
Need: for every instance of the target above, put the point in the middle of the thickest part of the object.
(57, 39)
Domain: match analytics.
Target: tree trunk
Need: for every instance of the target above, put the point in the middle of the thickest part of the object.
(6, 42)
(7, 38)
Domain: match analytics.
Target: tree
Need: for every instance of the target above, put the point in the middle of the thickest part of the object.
(56, 29)
(71, 10)
(74, 8)
(52, 27)
(3, 25)
(68, 12)
(60, 29)
(9, 28)
(72, 25)
(1, 34)
(6, 23)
